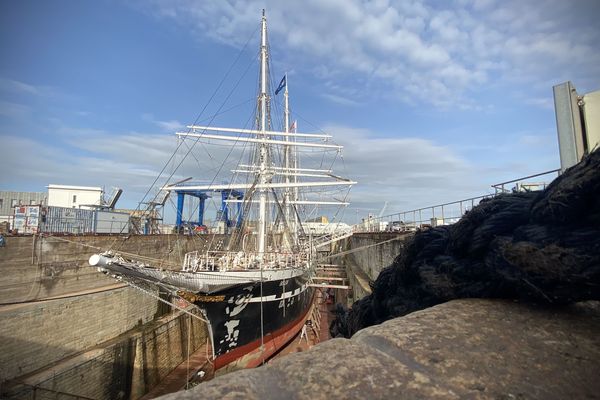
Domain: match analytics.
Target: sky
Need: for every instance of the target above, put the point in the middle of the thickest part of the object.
(434, 101)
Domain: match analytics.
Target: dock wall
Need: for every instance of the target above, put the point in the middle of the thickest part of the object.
(59, 316)
(38, 267)
(34, 335)
(127, 367)
(364, 255)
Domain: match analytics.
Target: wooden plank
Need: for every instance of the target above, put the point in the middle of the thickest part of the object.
(328, 278)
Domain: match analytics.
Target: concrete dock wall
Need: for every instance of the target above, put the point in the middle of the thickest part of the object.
(38, 267)
(34, 335)
(364, 255)
(57, 314)
(61, 317)
(127, 367)
(372, 252)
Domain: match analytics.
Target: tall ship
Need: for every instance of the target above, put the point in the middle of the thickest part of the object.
(254, 290)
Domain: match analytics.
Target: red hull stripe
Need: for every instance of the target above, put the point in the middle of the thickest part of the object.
(273, 341)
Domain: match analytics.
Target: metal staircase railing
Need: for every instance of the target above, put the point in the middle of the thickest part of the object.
(329, 238)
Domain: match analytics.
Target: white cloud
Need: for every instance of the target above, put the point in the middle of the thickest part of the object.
(18, 87)
(435, 53)
(88, 157)
(531, 140)
(542, 102)
(13, 110)
(340, 100)
(96, 157)
(407, 172)
(167, 126)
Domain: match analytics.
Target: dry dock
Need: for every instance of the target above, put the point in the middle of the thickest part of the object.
(65, 332)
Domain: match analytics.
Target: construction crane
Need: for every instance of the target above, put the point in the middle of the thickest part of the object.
(382, 210)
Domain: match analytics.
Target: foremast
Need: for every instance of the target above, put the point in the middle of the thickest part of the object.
(263, 177)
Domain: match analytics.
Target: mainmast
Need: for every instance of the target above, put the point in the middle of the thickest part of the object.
(263, 177)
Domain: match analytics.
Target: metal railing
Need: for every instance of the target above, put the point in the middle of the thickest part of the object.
(407, 221)
(520, 186)
(324, 240)
(446, 213)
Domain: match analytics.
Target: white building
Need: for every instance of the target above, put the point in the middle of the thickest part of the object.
(74, 196)
(577, 122)
(320, 228)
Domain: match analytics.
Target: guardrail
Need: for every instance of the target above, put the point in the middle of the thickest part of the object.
(446, 213)
(406, 221)
(501, 187)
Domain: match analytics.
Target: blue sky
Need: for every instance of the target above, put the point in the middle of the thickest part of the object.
(434, 100)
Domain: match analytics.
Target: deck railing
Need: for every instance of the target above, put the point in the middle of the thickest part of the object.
(234, 261)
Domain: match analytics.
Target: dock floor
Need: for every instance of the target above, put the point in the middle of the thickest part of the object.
(315, 336)
(185, 372)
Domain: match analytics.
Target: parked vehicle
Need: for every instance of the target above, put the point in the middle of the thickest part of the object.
(395, 226)
(401, 226)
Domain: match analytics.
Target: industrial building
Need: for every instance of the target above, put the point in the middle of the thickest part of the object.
(577, 123)
(10, 199)
(74, 196)
(63, 209)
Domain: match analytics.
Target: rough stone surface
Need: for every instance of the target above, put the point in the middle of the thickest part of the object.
(461, 349)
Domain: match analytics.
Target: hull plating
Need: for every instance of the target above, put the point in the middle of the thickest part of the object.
(251, 312)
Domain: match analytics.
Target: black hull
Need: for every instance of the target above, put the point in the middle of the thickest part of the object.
(235, 321)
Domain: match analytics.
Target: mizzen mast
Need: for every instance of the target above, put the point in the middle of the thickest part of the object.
(287, 164)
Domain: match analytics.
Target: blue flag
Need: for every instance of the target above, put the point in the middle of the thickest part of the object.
(281, 85)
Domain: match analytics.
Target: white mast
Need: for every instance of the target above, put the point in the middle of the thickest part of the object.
(263, 178)
(295, 166)
(288, 163)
